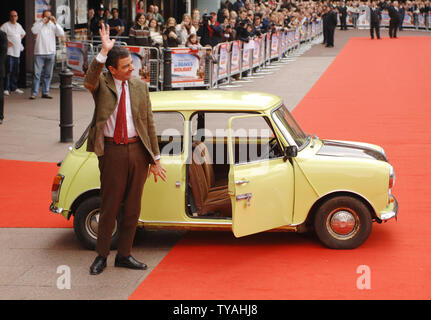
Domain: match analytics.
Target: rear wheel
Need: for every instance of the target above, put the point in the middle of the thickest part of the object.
(86, 223)
(343, 223)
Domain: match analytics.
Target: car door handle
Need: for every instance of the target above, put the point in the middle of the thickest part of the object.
(245, 196)
(240, 182)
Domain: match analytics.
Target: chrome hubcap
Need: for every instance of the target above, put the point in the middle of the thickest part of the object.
(92, 224)
(343, 224)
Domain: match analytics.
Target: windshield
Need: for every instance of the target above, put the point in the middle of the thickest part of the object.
(286, 122)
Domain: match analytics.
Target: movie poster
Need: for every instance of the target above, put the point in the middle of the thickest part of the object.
(188, 67)
(141, 62)
(77, 58)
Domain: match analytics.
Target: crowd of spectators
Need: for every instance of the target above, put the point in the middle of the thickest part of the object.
(235, 20)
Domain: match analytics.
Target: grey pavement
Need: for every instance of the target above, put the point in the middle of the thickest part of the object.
(29, 258)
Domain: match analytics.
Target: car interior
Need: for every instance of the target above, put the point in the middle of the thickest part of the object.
(208, 166)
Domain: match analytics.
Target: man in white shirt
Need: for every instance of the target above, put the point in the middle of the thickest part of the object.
(45, 31)
(15, 33)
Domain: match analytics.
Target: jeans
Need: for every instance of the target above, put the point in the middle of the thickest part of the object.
(45, 63)
(12, 73)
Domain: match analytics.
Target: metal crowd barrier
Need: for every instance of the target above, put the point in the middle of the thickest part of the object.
(238, 57)
(193, 68)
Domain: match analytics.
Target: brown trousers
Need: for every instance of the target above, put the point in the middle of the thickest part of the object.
(123, 172)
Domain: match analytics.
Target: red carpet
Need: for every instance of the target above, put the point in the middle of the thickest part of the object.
(25, 195)
(374, 91)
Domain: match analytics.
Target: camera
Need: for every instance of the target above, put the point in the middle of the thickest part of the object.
(205, 18)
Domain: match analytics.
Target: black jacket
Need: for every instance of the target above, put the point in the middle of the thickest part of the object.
(331, 19)
(375, 15)
(394, 14)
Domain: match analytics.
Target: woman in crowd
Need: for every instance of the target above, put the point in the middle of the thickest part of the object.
(185, 29)
(140, 7)
(170, 38)
(155, 34)
(139, 34)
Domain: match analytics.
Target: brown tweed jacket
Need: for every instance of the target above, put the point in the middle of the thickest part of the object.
(102, 87)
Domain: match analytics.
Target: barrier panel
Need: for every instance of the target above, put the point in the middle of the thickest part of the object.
(77, 58)
(146, 61)
(189, 67)
(423, 21)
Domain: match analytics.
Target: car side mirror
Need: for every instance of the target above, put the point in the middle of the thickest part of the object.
(290, 152)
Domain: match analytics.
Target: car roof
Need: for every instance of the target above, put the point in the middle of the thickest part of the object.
(211, 100)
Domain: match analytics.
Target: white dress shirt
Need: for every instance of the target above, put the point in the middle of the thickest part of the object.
(45, 36)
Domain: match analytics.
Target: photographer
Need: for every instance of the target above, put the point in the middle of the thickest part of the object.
(242, 30)
(210, 31)
(170, 37)
(45, 31)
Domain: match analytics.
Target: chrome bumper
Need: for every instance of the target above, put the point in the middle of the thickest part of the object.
(54, 209)
(391, 211)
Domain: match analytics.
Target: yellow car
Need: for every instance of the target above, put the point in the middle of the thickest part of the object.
(239, 161)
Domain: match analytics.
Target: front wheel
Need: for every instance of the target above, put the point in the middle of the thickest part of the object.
(343, 223)
(86, 223)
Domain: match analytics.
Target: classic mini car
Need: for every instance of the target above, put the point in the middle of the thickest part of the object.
(239, 161)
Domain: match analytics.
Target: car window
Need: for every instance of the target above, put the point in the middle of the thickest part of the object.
(170, 132)
(212, 124)
(254, 140)
(288, 125)
(211, 128)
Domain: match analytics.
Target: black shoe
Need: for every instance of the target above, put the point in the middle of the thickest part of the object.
(98, 265)
(46, 96)
(1, 121)
(129, 262)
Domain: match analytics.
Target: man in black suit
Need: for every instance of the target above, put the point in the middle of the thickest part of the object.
(375, 18)
(3, 52)
(342, 10)
(395, 20)
(331, 24)
(325, 24)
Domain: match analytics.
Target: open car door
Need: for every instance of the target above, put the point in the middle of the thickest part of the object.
(261, 182)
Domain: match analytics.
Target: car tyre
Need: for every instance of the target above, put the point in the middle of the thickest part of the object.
(85, 223)
(343, 223)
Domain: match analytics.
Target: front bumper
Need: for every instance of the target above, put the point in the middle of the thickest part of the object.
(54, 209)
(391, 211)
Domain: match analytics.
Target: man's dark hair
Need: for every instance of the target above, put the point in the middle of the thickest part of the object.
(115, 54)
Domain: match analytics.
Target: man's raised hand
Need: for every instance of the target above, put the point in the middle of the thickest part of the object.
(107, 43)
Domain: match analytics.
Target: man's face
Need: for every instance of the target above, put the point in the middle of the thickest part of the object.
(13, 16)
(46, 16)
(124, 69)
(115, 14)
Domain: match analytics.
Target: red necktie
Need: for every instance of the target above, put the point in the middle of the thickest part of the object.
(120, 132)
